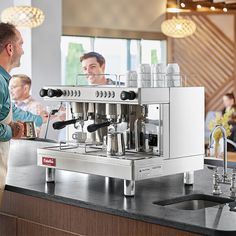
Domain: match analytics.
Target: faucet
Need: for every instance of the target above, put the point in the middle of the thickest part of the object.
(223, 131)
(216, 178)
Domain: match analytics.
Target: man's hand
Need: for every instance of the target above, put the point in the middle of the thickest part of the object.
(17, 129)
(44, 115)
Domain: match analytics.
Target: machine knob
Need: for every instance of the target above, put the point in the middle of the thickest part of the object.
(43, 92)
(54, 93)
(131, 95)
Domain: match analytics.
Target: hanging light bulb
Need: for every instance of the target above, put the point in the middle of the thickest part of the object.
(178, 27)
(225, 9)
(23, 16)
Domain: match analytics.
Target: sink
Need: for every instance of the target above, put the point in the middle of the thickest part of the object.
(193, 202)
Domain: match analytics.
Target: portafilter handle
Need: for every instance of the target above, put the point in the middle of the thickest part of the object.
(63, 124)
(93, 127)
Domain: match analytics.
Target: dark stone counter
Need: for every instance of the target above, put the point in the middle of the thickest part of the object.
(106, 195)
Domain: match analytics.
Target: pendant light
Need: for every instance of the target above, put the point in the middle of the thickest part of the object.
(178, 27)
(23, 16)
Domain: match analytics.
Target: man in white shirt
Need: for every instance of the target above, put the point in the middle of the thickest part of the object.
(20, 86)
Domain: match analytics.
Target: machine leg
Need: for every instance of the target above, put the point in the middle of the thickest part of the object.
(50, 175)
(129, 188)
(189, 177)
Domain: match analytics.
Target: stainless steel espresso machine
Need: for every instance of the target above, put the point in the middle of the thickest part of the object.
(127, 133)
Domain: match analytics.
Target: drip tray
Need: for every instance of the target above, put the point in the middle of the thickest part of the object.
(128, 155)
(92, 150)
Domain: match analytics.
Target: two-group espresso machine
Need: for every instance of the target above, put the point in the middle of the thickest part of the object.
(127, 133)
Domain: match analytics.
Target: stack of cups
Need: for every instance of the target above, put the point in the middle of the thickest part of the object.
(144, 75)
(158, 75)
(131, 79)
(173, 75)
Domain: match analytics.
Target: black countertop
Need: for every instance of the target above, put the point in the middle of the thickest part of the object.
(106, 195)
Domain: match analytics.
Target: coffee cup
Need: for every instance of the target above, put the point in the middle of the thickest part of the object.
(80, 137)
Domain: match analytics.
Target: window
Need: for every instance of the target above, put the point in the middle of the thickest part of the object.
(120, 54)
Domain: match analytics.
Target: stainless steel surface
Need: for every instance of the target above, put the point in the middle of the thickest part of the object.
(233, 185)
(160, 120)
(216, 183)
(129, 188)
(50, 175)
(189, 178)
(29, 130)
(224, 136)
(186, 125)
(111, 94)
(22, 148)
(132, 166)
(115, 144)
(193, 202)
(231, 142)
(217, 162)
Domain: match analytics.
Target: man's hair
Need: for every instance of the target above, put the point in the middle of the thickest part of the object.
(99, 57)
(7, 34)
(230, 96)
(25, 80)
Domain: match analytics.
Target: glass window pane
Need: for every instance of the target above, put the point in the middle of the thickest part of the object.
(72, 48)
(114, 52)
(120, 54)
(134, 54)
(153, 51)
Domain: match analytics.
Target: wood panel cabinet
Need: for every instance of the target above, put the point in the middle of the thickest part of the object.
(23, 215)
(7, 225)
(27, 228)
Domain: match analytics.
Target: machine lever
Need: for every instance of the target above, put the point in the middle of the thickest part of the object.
(62, 124)
(94, 127)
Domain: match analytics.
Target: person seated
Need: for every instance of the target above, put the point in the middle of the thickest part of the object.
(232, 122)
(93, 65)
(228, 101)
(229, 105)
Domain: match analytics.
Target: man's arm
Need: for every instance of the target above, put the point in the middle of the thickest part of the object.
(5, 133)
(5, 130)
(20, 115)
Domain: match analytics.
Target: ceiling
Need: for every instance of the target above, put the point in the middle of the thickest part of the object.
(205, 4)
(135, 15)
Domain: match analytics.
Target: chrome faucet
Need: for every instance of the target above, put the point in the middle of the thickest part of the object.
(223, 131)
(216, 177)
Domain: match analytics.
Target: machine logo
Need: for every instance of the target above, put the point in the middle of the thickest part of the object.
(49, 161)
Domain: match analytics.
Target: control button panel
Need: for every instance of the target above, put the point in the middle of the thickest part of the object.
(93, 94)
(105, 94)
(73, 93)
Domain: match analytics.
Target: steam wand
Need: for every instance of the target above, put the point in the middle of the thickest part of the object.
(52, 112)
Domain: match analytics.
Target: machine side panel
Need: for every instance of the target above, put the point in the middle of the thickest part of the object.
(154, 96)
(186, 121)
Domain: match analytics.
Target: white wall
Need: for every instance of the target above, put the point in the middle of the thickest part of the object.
(42, 60)
(46, 53)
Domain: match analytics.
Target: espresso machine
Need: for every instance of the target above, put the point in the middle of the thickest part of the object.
(127, 133)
